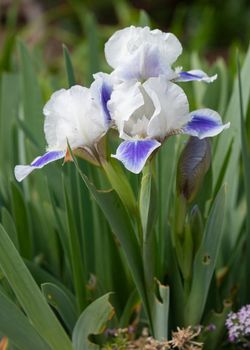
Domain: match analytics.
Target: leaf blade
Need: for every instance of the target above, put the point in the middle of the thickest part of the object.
(92, 321)
(29, 295)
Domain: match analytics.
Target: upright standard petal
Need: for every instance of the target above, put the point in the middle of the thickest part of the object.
(21, 171)
(204, 123)
(134, 154)
(101, 90)
(74, 115)
(126, 100)
(146, 62)
(193, 75)
(124, 43)
(171, 107)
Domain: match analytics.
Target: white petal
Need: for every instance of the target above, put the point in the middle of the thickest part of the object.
(117, 47)
(124, 43)
(22, 171)
(73, 114)
(125, 100)
(146, 62)
(171, 107)
(169, 44)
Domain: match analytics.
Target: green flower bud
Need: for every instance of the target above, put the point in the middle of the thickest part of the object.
(193, 164)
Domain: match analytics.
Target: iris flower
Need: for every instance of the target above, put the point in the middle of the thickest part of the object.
(147, 113)
(78, 116)
(140, 98)
(140, 53)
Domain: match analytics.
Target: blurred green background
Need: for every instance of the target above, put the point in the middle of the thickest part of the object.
(212, 28)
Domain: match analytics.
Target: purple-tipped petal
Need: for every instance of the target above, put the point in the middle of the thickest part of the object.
(101, 90)
(204, 123)
(106, 91)
(193, 75)
(134, 154)
(21, 171)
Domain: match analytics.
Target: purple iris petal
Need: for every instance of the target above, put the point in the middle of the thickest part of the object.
(106, 91)
(134, 154)
(48, 157)
(187, 76)
(195, 74)
(21, 171)
(199, 124)
(204, 123)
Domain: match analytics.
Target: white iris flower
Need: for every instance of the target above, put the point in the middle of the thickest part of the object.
(141, 53)
(147, 113)
(79, 116)
(139, 97)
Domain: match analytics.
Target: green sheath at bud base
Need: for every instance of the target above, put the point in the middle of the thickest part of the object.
(193, 164)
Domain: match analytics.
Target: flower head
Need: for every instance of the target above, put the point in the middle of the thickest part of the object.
(147, 113)
(140, 53)
(77, 116)
(238, 324)
(137, 52)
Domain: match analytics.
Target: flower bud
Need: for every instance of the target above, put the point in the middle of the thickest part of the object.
(193, 164)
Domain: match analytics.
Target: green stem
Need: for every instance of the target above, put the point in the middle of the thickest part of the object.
(122, 187)
(148, 218)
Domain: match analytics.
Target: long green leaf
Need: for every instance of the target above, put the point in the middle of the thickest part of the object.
(233, 133)
(75, 257)
(92, 321)
(91, 32)
(144, 19)
(161, 312)
(9, 226)
(15, 325)
(21, 217)
(166, 169)
(31, 96)
(41, 276)
(246, 172)
(30, 297)
(69, 67)
(8, 112)
(57, 298)
(205, 260)
(120, 223)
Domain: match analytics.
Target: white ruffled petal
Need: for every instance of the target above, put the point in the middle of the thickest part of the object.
(75, 115)
(146, 62)
(124, 43)
(169, 44)
(171, 107)
(125, 102)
